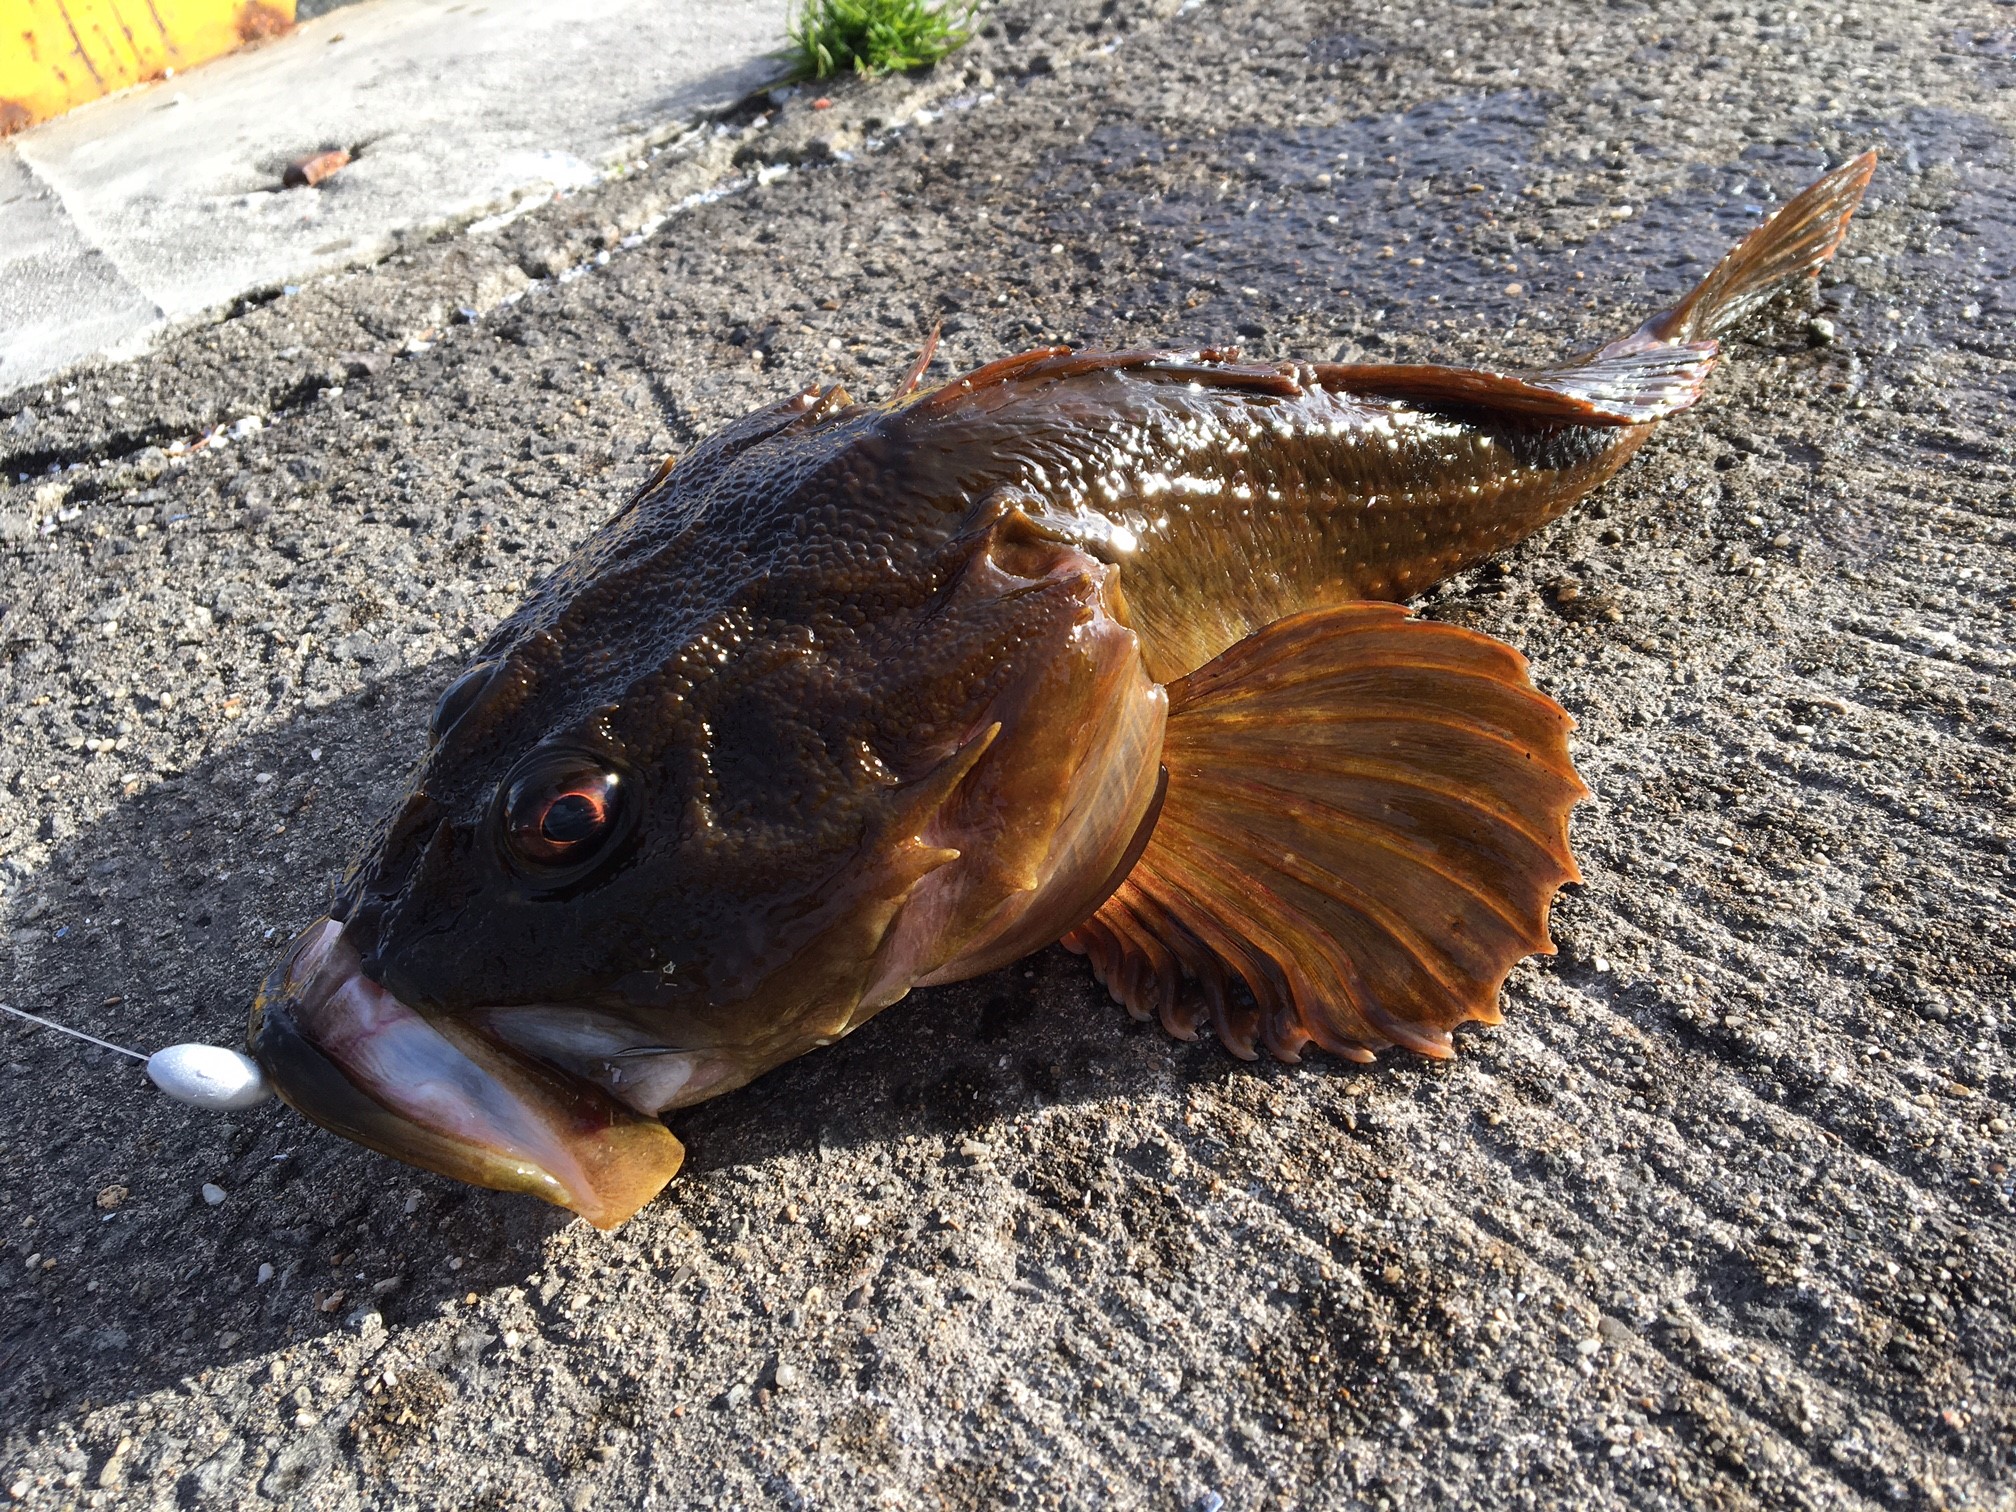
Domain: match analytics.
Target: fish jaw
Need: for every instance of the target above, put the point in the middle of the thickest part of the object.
(617, 1055)
(350, 1056)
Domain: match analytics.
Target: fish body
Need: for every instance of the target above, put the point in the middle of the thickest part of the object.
(856, 698)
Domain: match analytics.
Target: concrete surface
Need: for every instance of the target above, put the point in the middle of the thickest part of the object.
(164, 203)
(1720, 1217)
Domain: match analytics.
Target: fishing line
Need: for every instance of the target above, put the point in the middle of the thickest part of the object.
(203, 1076)
(36, 1018)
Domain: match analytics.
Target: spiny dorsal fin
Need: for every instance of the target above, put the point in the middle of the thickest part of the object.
(915, 375)
(1213, 367)
(1365, 821)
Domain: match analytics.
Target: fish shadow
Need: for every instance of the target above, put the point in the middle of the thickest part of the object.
(149, 926)
(121, 1275)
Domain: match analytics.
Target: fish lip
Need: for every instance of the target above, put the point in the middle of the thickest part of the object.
(347, 1054)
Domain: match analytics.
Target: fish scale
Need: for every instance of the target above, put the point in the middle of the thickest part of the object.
(1235, 510)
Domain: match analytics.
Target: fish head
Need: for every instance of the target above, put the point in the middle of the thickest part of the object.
(678, 825)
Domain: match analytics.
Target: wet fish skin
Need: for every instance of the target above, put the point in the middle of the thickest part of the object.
(777, 647)
(1236, 494)
(836, 638)
(861, 697)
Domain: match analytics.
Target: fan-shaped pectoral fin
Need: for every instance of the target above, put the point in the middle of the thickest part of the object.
(1365, 822)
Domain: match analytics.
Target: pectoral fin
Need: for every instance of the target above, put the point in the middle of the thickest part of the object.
(1365, 821)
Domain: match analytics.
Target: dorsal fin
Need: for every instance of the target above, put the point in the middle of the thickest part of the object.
(1617, 388)
(1611, 389)
(1365, 821)
(915, 375)
(1213, 367)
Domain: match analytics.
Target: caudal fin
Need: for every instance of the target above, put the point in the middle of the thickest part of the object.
(1793, 244)
(1660, 368)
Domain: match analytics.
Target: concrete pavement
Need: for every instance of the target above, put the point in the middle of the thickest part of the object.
(1721, 1216)
(163, 204)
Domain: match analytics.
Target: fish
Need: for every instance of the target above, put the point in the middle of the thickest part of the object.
(1101, 647)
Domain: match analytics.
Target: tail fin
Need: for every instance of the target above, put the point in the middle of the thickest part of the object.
(1659, 368)
(1791, 245)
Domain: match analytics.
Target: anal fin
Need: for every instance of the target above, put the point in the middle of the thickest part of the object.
(1365, 821)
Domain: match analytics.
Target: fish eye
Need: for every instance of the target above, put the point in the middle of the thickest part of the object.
(561, 812)
(459, 699)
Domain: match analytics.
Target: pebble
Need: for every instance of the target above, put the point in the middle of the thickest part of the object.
(265, 1272)
(209, 1076)
(213, 1193)
(786, 1377)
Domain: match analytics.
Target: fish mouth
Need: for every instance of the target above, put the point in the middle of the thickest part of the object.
(347, 1054)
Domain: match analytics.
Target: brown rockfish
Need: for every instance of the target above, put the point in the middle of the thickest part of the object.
(1094, 646)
